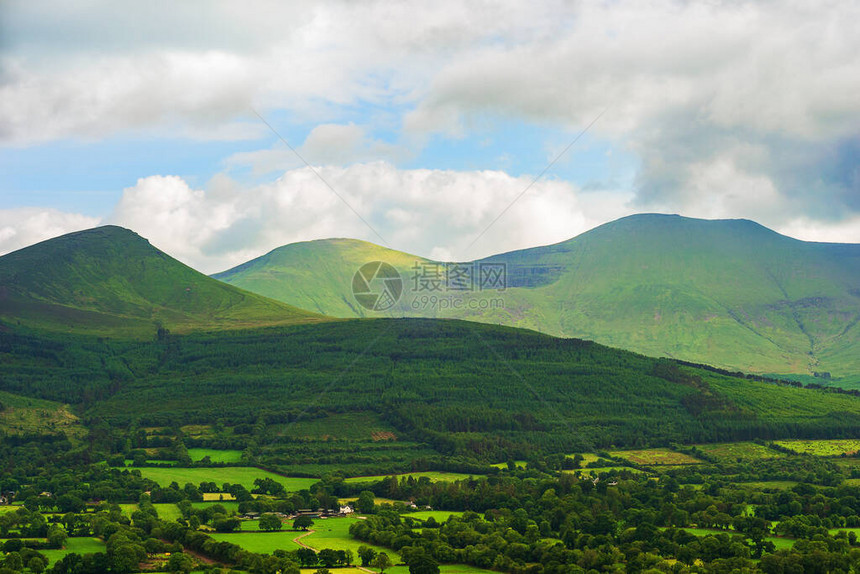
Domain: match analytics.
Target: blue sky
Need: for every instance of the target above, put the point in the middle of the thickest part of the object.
(427, 119)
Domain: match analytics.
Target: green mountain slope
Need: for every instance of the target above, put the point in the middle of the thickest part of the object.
(316, 275)
(728, 292)
(460, 388)
(109, 280)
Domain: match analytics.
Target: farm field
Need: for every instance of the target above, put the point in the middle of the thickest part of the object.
(597, 470)
(26, 415)
(229, 505)
(167, 511)
(834, 447)
(244, 475)
(444, 569)
(218, 497)
(434, 476)
(347, 426)
(377, 500)
(766, 484)
(128, 509)
(197, 454)
(587, 457)
(846, 530)
(779, 542)
(261, 542)
(738, 451)
(334, 533)
(78, 546)
(656, 457)
(438, 515)
(252, 526)
(503, 465)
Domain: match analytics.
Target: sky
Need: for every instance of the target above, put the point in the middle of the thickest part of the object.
(220, 130)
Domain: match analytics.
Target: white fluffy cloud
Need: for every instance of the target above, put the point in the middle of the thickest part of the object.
(433, 213)
(733, 109)
(428, 212)
(22, 227)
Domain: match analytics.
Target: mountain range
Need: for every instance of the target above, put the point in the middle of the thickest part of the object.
(104, 321)
(730, 293)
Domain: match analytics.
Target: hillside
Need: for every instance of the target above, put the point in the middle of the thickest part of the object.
(315, 275)
(109, 280)
(431, 388)
(729, 292)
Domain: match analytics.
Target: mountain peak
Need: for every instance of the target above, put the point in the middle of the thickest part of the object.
(110, 279)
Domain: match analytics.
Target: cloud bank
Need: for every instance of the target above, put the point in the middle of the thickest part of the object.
(731, 109)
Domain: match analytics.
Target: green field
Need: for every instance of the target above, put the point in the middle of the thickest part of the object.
(128, 509)
(597, 470)
(26, 415)
(504, 465)
(78, 546)
(215, 455)
(444, 569)
(334, 533)
(217, 497)
(769, 484)
(738, 451)
(348, 426)
(230, 506)
(244, 475)
(779, 542)
(655, 457)
(377, 500)
(434, 476)
(262, 542)
(587, 457)
(835, 447)
(168, 512)
(438, 515)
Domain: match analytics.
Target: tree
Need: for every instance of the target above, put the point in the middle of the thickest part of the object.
(270, 522)
(180, 562)
(383, 562)
(365, 503)
(56, 536)
(423, 564)
(227, 525)
(307, 557)
(366, 554)
(328, 557)
(303, 522)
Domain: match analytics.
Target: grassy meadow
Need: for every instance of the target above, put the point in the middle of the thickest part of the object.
(233, 475)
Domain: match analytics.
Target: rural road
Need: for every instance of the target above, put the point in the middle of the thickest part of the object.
(298, 540)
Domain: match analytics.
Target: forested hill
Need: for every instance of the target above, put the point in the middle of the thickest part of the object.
(466, 389)
(111, 281)
(727, 292)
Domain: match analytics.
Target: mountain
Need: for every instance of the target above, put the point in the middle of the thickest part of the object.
(731, 293)
(315, 275)
(110, 280)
